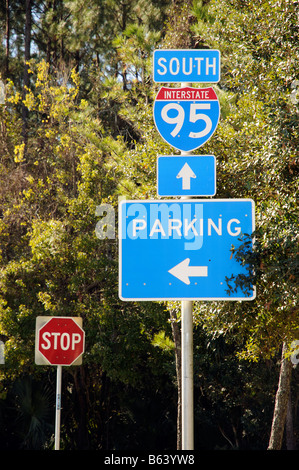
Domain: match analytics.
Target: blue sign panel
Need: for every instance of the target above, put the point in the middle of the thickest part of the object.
(182, 250)
(187, 65)
(186, 175)
(186, 117)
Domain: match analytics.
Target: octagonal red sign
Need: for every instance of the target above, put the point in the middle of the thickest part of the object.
(60, 340)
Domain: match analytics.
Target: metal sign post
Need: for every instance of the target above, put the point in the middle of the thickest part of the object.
(58, 407)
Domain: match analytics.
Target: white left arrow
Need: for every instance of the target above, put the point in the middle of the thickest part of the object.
(186, 174)
(183, 271)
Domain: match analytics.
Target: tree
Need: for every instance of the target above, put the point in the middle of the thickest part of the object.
(93, 140)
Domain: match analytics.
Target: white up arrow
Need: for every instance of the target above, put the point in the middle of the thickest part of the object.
(183, 271)
(186, 174)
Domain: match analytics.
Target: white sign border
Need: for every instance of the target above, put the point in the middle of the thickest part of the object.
(186, 79)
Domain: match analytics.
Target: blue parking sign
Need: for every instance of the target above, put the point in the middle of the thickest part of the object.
(186, 117)
(183, 250)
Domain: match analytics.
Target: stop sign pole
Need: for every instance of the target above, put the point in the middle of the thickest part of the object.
(59, 341)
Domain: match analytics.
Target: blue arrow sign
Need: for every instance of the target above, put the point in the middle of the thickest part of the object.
(186, 65)
(186, 175)
(182, 250)
(186, 117)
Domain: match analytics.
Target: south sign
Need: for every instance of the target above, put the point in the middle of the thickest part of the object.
(186, 117)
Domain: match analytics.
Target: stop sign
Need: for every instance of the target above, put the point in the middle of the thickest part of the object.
(60, 340)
